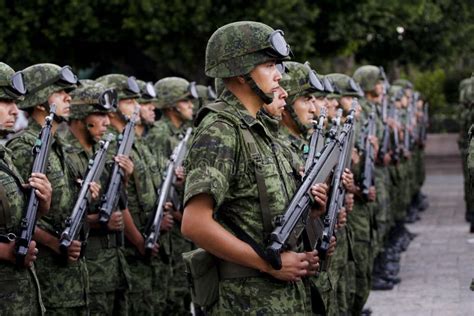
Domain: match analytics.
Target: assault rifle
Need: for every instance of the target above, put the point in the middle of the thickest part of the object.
(337, 193)
(290, 226)
(94, 171)
(317, 140)
(368, 175)
(166, 192)
(110, 199)
(40, 151)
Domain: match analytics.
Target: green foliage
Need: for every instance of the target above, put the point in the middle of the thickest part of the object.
(431, 85)
(152, 39)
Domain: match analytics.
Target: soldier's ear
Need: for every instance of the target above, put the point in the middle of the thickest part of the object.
(41, 108)
(241, 79)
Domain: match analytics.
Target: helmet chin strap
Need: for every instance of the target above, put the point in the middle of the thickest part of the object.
(302, 129)
(266, 98)
(90, 138)
(57, 118)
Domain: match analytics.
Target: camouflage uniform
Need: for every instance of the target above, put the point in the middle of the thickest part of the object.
(141, 194)
(19, 287)
(218, 164)
(106, 263)
(64, 285)
(162, 140)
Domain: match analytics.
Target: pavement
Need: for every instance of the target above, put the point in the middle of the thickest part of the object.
(438, 267)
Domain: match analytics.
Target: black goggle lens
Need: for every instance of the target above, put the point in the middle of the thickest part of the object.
(281, 67)
(327, 85)
(279, 44)
(67, 75)
(132, 85)
(211, 94)
(150, 90)
(108, 99)
(193, 90)
(18, 84)
(315, 82)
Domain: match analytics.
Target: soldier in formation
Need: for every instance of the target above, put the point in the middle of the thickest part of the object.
(277, 191)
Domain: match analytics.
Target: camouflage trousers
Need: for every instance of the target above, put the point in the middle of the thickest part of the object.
(140, 295)
(19, 291)
(260, 296)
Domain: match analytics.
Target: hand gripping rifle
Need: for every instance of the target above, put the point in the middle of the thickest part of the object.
(290, 226)
(110, 199)
(76, 220)
(40, 151)
(165, 193)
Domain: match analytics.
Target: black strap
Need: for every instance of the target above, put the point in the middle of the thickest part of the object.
(242, 235)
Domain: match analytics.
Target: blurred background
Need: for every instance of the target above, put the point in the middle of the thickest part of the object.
(430, 42)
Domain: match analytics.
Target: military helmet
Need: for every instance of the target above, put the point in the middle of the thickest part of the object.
(345, 85)
(396, 92)
(463, 87)
(92, 97)
(12, 86)
(126, 87)
(236, 48)
(298, 80)
(219, 86)
(368, 76)
(406, 84)
(328, 86)
(206, 95)
(147, 92)
(42, 80)
(170, 90)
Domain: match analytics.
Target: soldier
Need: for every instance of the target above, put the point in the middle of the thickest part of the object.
(19, 286)
(220, 183)
(175, 96)
(147, 103)
(105, 259)
(141, 195)
(206, 95)
(371, 80)
(63, 277)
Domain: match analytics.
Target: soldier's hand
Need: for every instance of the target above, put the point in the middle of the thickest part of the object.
(74, 251)
(313, 260)
(31, 254)
(348, 180)
(180, 176)
(341, 218)
(332, 246)
(387, 158)
(167, 222)
(126, 164)
(372, 194)
(349, 202)
(94, 188)
(43, 191)
(116, 221)
(177, 215)
(375, 143)
(294, 267)
(154, 251)
(319, 192)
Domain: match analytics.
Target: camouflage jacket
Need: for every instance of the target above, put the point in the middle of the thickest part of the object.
(219, 164)
(18, 287)
(68, 286)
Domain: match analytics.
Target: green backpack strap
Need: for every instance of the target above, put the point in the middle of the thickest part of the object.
(261, 186)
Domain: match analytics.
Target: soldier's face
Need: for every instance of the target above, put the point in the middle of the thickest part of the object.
(404, 101)
(278, 105)
(63, 103)
(320, 102)
(345, 103)
(8, 114)
(332, 108)
(97, 124)
(147, 113)
(185, 108)
(266, 76)
(304, 109)
(378, 90)
(127, 107)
